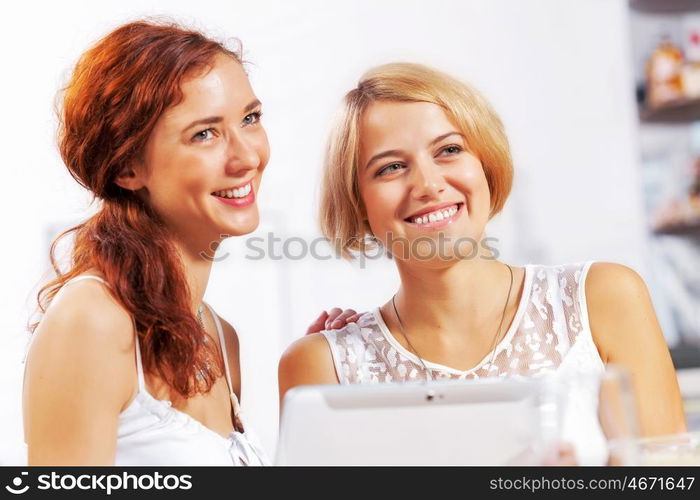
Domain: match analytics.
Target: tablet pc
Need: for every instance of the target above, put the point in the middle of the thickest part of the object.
(475, 422)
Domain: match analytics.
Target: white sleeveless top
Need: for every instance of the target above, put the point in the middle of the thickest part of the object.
(152, 432)
(549, 335)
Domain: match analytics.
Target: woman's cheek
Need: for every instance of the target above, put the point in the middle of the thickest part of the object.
(264, 148)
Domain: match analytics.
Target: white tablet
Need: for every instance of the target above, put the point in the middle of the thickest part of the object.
(489, 422)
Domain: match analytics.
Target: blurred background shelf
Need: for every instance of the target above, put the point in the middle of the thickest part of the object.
(689, 383)
(665, 42)
(665, 6)
(681, 112)
(686, 355)
(690, 227)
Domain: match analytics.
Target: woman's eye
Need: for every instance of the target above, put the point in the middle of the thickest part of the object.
(252, 118)
(204, 135)
(389, 169)
(451, 149)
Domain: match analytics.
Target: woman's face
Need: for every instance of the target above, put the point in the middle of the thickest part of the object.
(205, 158)
(418, 179)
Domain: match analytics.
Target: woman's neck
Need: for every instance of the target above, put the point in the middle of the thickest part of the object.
(197, 268)
(461, 296)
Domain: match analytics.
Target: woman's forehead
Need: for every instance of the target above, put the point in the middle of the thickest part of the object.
(393, 124)
(222, 87)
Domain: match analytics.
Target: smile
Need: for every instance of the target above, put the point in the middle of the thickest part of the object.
(239, 196)
(437, 218)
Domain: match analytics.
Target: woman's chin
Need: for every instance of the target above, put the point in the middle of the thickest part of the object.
(240, 229)
(433, 261)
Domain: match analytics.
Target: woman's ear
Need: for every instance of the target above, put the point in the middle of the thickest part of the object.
(130, 178)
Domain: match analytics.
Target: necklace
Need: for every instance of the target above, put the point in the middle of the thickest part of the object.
(428, 375)
(201, 373)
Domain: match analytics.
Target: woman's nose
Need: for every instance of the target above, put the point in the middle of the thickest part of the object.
(427, 180)
(242, 153)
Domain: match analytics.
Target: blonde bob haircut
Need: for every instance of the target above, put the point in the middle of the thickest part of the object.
(342, 213)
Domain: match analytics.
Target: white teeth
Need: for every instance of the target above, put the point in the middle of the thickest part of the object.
(234, 193)
(436, 216)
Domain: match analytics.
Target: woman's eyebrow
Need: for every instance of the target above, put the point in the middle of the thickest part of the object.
(204, 121)
(444, 136)
(383, 154)
(397, 152)
(252, 105)
(218, 119)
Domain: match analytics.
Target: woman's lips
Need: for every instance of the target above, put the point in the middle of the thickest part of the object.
(246, 200)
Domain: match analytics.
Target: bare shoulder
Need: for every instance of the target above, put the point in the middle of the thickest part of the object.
(86, 311)
(230, 335)
(619, 308)
(85, 326)
(307, 361)
(80, 375)
(610, 280)
(232, 354)
(309, 349)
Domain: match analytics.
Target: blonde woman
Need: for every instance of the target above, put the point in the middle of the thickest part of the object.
(418, 162)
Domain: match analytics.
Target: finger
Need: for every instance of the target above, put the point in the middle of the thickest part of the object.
(563, 453)
(332, 314)
(318, 323)
(342, 320)
(567, 454)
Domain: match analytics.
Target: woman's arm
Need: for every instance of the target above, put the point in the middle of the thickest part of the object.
(308, 361)
(80, 374)
(627, 333)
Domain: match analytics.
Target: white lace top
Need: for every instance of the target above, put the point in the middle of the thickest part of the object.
(549, 335)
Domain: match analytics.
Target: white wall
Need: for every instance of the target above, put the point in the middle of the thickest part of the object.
(556, 70)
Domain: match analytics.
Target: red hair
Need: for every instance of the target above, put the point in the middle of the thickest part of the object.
(118, 91)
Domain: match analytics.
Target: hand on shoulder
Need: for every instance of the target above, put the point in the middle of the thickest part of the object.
(333, 319)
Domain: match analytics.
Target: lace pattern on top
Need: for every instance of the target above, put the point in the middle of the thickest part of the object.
(550, 320)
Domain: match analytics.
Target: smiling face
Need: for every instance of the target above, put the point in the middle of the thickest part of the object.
(203, 162)
(417, 178)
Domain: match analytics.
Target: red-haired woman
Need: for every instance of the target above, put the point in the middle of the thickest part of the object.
(127, 365)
